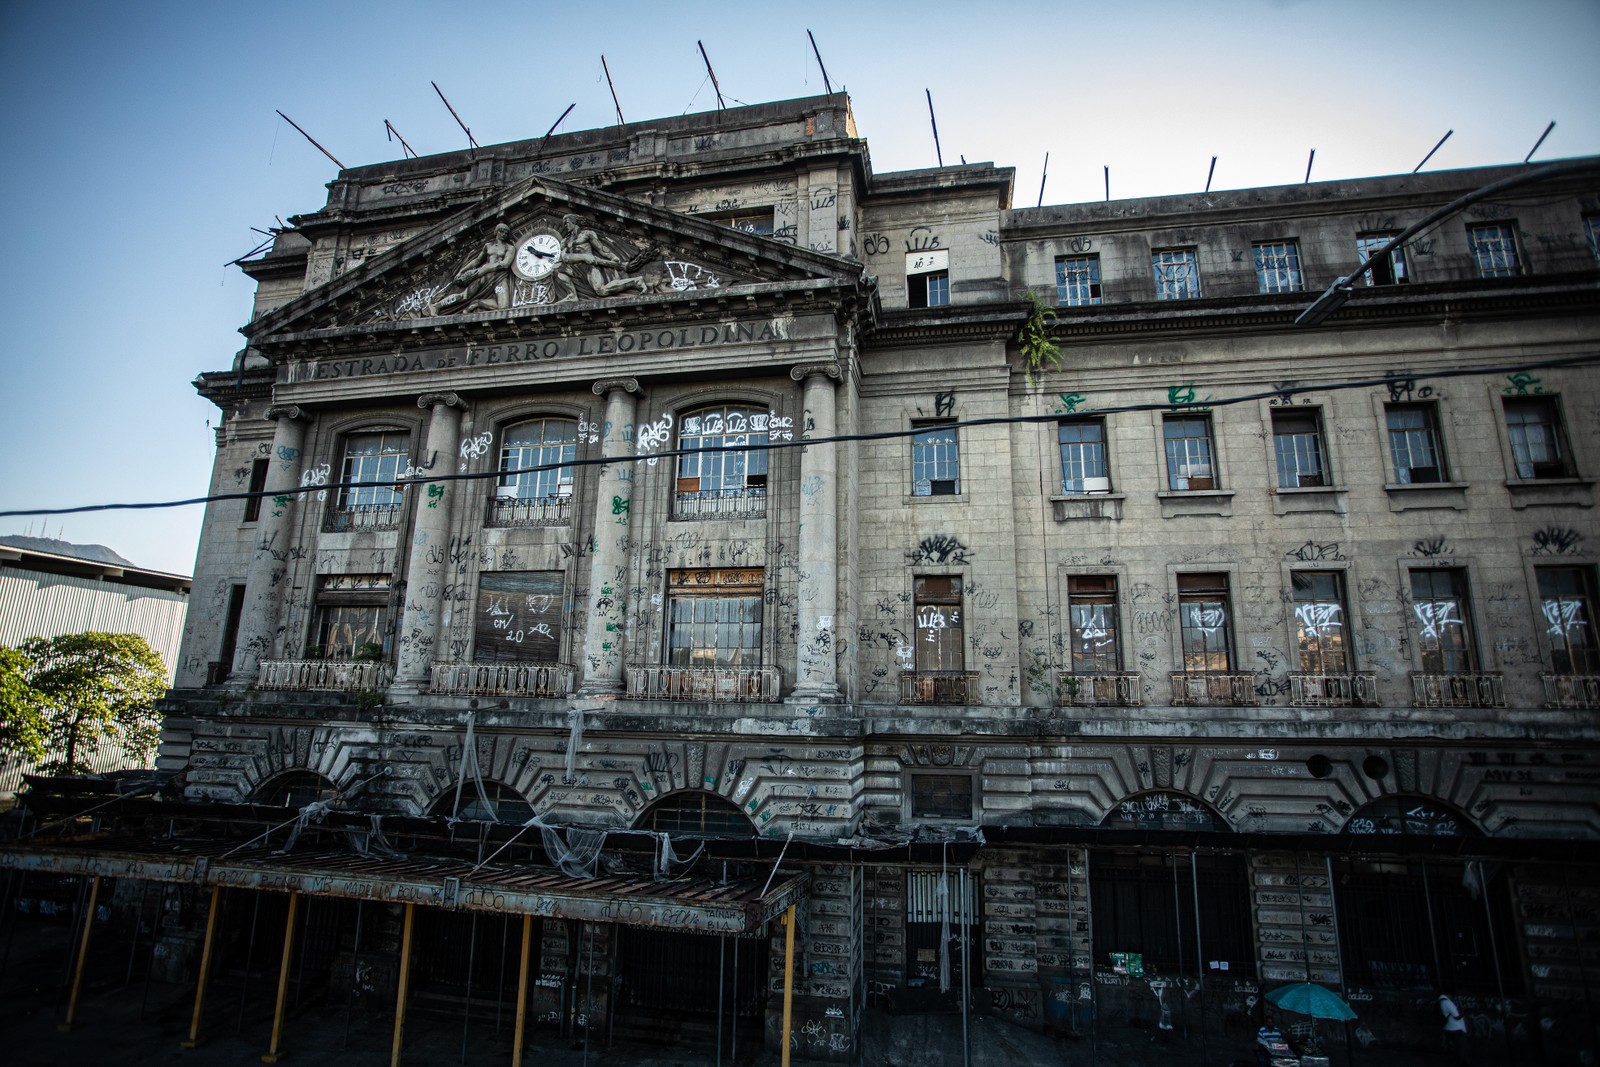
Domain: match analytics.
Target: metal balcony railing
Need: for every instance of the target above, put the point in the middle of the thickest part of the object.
(747, 503)
(503, 679)
(530, 511)
(714, 685)
(1477, 690)
(1120, 690)
(341, 675)
(1310, 690)
(1571, 690)
(1213, 688)
(939, 687)
(364, 517)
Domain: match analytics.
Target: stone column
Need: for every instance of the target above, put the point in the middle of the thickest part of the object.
(816, 672)
(418, 629)
(260, 623)
(608, 565)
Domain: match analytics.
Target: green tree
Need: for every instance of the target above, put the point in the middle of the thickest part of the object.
(22, 721)
(95, 689)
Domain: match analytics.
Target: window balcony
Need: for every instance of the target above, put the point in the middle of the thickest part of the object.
(713, 685)
(749, 502)
(1333, 690)
(1116, 690)
(939, 687)
(503, 679)
(356, 517)
(1213, 689)
(1479, 690)
(1571, 690)
(514, 511)
(338, 675)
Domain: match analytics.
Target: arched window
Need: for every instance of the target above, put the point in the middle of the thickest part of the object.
(727, 481)
(496, 803)
(695, 811)
(1164, 811)
(1402, 814)
(369, 472)
(535, 486)
(294, 789)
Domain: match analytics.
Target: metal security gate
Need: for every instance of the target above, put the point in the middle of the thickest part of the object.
(936, 916)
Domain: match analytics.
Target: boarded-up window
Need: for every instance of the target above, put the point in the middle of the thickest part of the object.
(941, 796)
(519, 617)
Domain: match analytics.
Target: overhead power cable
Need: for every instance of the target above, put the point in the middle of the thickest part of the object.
(1280, 391)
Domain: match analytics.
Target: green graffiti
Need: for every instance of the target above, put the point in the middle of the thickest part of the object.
(278, 504)
(1070, 402)
(435, 494)
(1523, 383)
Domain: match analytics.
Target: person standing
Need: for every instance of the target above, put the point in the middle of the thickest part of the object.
(1455, 1027)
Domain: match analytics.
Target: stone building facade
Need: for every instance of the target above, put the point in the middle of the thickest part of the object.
(689, 476)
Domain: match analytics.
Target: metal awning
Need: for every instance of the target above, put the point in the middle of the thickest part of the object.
(696, 905)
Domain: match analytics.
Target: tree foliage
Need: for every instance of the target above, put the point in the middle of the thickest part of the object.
(79, 692)
(1033, 337)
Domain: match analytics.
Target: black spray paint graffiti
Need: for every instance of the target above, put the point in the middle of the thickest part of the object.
(940, 549)
(1430, 547)
(1554, 541)
(1312, 552)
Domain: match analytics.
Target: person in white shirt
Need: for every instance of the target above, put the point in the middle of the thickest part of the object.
(1455, 1027)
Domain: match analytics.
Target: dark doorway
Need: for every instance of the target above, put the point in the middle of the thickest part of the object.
(670, 986)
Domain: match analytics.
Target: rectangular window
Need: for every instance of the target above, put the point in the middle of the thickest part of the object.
(928, 278)
(1444, 630)
(1319, 622)
(1414, 443)
(1204, 621)
(714, 618)
(938, 635)
(1189, 452)
(1092, 619)
(1297, 441)
(1149, 904)
(1077, 280)
(372, 494)
(1391, 269)
(352, 617)
(935, 460)
(1567, 599)
(756, 222)
(519, 617)
(1177, 274)
(1533, 423)
(941, 796)
(1083, 456)
(1278, 267)
(258, 482)
(1494, 250)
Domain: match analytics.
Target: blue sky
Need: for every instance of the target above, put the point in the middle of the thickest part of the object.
(141, 145)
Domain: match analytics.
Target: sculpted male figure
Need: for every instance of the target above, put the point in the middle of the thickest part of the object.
(476, 286)
(584, 246)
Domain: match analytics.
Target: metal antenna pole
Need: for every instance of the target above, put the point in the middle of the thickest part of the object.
(473, 141)
(609, 82)
(1310, 160)
(310, 138)
(1431, 151)
(1108, 182)
(937, 151)
(1540, 141)
(394, 134)
(826, 84)
(552, 129)
(1211, 172)
(720, 105)
(1042, 178)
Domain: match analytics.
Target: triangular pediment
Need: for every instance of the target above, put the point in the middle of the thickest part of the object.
(545, 247)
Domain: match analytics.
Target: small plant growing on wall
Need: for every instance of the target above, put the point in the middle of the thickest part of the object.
(315, 652)
(367, 652)
(1038, 347)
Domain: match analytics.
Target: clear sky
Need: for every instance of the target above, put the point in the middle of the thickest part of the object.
(140, 146)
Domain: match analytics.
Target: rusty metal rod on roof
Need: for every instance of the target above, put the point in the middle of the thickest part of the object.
(1540, 141)
(613, 87)
(473, 141)
(391, 132)
(1432, 150)
(826, 84)
(713, 74)
(937, 151)
(310, 138)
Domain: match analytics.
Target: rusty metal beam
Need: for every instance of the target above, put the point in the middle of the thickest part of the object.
(522, 991)
(83, 956)
(205, 969)
(275, 1050)
(405, 987)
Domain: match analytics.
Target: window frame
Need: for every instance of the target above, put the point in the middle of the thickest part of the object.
(1173, 286)
(1312, 416)
(1429, 410)
(522, 613)
(1498, 254)
(1433, 657)
(1284, 274)
(1073, 291)
(1190, 590)
(936, 624)
(1313, 655)
(691, 586)
(1585, 599)
(257, 489)
(361, 593)
(1080, 447)
(1081, 592)
(1396, 271)
(1554, 427)
(951, 779)
(383, 490)
(937, 461)
(750, 466)
(1169, 440)
(562, 478)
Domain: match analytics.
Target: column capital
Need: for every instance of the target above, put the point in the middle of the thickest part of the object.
(802, 371)
(428, 401)
(607, 385)
(286, 411)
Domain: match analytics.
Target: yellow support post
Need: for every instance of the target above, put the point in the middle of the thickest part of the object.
(405, 984)
(788, 977)
(274, 1051)
(205, 969)
(522, 991)
(83, 956)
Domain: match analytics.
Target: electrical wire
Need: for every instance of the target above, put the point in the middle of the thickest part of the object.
(1282, 391)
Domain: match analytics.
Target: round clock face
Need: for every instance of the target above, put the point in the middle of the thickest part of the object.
(538, 255)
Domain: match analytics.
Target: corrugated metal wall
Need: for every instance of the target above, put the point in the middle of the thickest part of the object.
(36, 604)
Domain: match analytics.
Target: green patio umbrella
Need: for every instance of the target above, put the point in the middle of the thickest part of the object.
(1308, 998)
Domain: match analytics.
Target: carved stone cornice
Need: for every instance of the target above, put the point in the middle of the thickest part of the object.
(801, 371)
(427, 401)
(286, 411)
(606, 385)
